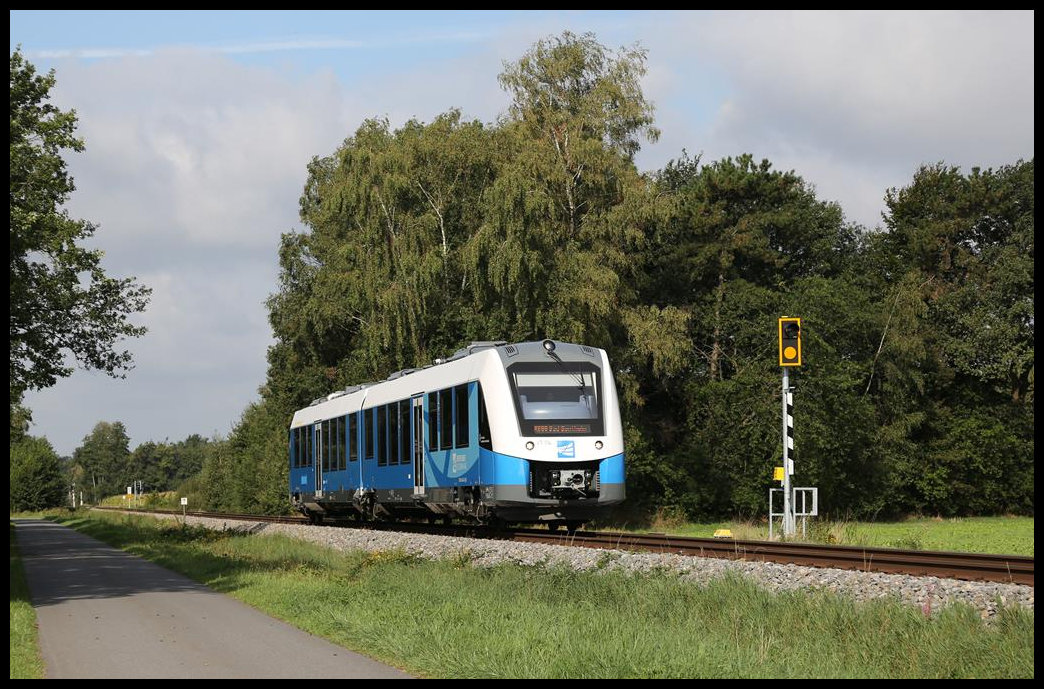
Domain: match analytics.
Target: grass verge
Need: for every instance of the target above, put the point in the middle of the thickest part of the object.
(1001, 535)
(26, 662)
(450, 619)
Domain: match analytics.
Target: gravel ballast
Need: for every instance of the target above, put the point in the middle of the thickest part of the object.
(929, 593)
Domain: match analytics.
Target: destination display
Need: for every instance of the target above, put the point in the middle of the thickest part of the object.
(562, 429)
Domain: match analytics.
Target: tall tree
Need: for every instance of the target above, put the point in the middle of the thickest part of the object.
(61, 300)
(584, 104)
(378, 283)
(954, 374)
(104, 459)
(550, 253)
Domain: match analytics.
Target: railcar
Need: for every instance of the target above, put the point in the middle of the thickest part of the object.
(522, 433)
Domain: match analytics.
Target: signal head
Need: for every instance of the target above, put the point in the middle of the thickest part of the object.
(789, 341)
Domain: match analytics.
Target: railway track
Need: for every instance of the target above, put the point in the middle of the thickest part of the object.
(1010, 569)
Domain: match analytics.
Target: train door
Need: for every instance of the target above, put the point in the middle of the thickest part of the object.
(319, 448)
(354, 471)
(418, 445)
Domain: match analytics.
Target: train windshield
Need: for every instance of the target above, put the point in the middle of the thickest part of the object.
(557, 398)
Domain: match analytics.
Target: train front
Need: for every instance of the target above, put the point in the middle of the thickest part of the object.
(557, 439)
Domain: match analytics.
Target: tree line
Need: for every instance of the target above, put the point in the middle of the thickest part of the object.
(103, 466)
(916, 393)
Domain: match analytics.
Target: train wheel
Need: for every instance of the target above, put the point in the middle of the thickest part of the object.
(573, 527)
(496, 523)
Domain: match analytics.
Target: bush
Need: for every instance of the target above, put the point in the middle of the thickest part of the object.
(36, 476)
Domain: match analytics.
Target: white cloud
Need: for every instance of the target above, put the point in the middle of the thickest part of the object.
(862, 98)
(934, 78)
(196, 145)
(193, 168)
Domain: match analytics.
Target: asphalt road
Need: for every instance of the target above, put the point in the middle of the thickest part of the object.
(103, 613)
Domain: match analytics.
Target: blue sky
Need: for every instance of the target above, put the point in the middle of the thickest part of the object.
(199, 125)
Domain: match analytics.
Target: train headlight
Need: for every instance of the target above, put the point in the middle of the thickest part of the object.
(598, 444)
(529, 445)
(549, 346)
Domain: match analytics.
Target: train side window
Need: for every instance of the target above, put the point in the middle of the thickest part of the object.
(353, 437)
(404, 431)
(337, 433)
(329, 443)
(463, 425)
(382, 435)
(344, 440)
(332, 446)
(306, 433)
(292, 447)
(393, 432)
(299, 454)
(446, 419)
(341, 464)
(329, 446)
(367, 431)
(485, 439)
(337, 428)
(433, 421)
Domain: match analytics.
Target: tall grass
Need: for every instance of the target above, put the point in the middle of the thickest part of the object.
(451, 619)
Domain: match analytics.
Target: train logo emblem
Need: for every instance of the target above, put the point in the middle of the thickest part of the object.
(566, 449)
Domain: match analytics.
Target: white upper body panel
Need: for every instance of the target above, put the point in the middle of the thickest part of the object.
(489, 368)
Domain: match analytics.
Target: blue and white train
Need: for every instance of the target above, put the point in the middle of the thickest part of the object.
(498, 432)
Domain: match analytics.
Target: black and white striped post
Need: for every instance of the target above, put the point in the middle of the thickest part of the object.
(789, 523)
(789, 355)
